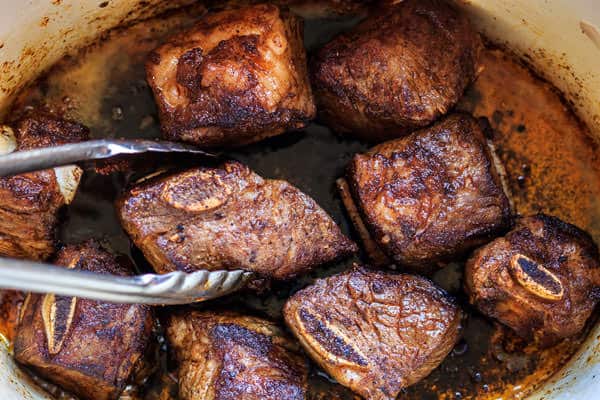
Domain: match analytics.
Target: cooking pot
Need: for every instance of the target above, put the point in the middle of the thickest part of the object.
(559, 39)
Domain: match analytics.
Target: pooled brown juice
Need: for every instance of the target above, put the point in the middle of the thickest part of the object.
(551, 162)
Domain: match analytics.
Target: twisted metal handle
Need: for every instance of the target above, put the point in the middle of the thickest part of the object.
(66, 154)
(169, 289)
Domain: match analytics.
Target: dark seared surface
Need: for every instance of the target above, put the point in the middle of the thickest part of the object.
(375, 332)
(29, 203)
(401, 68)
(236, 77)
(42, 129)
(227, 356)
(228, 217)
(563, 249)
(432, 195)
(103, 344)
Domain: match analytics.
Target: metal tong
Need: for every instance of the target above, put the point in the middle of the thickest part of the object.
(91, 150)
(169, 289)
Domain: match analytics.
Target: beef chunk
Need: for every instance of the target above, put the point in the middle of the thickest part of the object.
(227, 218)
(228, 356)
(236, 77)
(29, 203)
(401, 68)
(542, 279)
(375, 333)
(431, 195)
(89, 348)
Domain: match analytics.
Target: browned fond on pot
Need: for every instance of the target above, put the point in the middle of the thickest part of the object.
(551, 163)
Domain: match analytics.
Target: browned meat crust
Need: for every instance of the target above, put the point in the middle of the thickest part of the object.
(45, 130)
(402, 68)
(228, 218)
(233, 357)
(375, 332)
(29, 203)
(236, 77)
(432, 195)
(546, 295)
(89, 348)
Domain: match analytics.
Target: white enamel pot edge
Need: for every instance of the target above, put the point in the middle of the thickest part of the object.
(36, 33)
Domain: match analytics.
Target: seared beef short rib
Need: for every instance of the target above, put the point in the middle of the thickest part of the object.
(228, 217)
(400, 69)
(29, 203)
(430, 196)
(374, 332)
(89, 348)
(236, 77)
(542, 279)
(225, 356)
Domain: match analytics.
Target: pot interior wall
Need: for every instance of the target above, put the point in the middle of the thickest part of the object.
(32, 43)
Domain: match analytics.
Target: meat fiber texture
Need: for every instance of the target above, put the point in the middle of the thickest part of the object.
(374, 332)
(228, 356)
(431, 196)
(89, 348)
(403, 67)
(228, 217)
(236, 77)
(542, 279)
